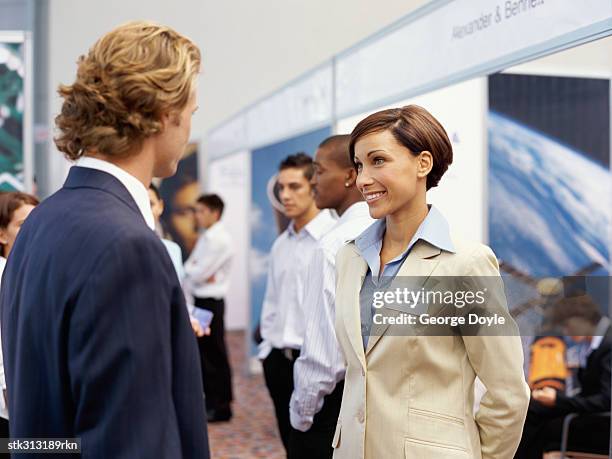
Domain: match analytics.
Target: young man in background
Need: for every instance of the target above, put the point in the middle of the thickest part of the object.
(282, 322)
(319, 371)
(207, 275)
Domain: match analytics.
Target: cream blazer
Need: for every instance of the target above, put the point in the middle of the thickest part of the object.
(412, 396)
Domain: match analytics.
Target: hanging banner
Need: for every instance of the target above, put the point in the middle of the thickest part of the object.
(438, 45)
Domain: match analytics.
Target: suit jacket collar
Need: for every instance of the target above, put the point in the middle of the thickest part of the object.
(84, 177)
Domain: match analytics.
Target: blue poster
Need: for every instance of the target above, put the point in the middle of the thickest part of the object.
(267, 219)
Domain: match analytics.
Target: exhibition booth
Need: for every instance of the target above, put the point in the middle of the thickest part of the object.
(523, 89)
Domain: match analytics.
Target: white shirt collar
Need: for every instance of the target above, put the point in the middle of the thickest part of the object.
(214, 228)
(134, 186)
(357, 209)
(316, 227)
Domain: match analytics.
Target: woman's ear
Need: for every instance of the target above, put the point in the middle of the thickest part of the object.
(3, 238)
(424, 163)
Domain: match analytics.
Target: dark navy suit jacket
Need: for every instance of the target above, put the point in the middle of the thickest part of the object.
(96, 337)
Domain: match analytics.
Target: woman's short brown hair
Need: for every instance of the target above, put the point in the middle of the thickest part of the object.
(127, 80)
(414, 128)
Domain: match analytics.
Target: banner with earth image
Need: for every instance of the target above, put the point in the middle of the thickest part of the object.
(550, 198)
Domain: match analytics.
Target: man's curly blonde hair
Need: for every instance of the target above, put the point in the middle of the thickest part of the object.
(128, 79)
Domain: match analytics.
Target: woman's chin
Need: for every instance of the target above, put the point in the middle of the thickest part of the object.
(377, 212)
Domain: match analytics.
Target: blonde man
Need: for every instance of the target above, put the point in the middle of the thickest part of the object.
(97, 340)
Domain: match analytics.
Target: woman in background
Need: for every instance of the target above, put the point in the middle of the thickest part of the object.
(174, 251)
(14, 209)
(407, 395)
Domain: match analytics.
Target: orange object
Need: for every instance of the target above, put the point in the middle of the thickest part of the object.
(547, 367)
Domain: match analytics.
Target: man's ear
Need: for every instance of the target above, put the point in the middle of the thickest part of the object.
(350, 178)
(171, 118)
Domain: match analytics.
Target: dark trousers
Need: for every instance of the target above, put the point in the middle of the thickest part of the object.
(216, 372)
(278, 373)
(316, 441)
(543, 427)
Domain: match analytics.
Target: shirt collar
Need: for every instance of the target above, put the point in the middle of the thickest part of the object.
(316, 227)
(134, 186)
(357, 210)
(434, 229)
(214, 228)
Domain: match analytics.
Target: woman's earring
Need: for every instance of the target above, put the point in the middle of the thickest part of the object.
(347, 184)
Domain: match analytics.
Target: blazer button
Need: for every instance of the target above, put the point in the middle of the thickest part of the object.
(360, 417)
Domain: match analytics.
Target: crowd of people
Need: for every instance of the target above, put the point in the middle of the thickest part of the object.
(110, 337)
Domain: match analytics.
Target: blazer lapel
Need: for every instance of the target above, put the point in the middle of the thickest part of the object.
(358, 269)
(421, 262)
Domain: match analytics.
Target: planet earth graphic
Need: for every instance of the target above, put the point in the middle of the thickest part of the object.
(550, 206)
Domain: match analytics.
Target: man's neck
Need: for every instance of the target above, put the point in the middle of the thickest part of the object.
(352, 198)
(139, 165)
(303, 220)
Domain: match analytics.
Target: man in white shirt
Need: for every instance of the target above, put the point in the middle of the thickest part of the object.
(281, 319)
(207, 274)
(319, 371)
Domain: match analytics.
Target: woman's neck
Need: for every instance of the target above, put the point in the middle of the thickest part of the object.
(402, 225)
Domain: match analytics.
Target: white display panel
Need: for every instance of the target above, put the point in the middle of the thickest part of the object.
(460, 196)
(456, 38)
(304, 105)
(229, 137)
(229, 177)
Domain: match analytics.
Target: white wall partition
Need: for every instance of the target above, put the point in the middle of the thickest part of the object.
(227, 138)
(229, 177)
(302, 106)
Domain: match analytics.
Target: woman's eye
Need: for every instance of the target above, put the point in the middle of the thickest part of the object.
(378, 161)
(359, 166)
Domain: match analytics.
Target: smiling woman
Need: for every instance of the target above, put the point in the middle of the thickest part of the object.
(399, 154)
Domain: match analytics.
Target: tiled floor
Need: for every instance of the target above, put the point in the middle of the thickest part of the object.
(252, 432)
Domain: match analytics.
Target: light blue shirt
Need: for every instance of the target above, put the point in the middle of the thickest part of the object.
(434, 229)
(174, 250)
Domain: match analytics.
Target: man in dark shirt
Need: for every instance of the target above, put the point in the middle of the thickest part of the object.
(580, 318)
